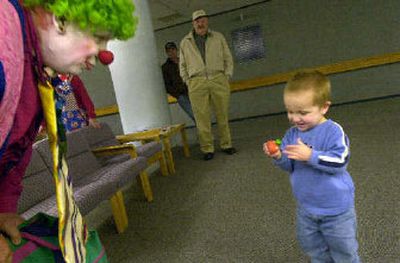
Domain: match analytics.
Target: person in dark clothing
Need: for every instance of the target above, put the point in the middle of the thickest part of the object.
(173, 81)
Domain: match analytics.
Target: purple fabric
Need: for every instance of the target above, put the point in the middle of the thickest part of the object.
(101, 255)
(28, 118)
(34, 243)
(24, 252)
(39, 241)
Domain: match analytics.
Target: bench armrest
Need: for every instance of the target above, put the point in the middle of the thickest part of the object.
(149, 135)
(115, 150)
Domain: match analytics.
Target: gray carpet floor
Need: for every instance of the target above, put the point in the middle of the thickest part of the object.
(240, 208)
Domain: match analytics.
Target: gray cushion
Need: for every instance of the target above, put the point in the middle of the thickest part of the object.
(82, 165)
(95, 188)
(149, 149)
(76, 143)
(36, 164)
(98, 137)
(43, 148)
(38, 183)
(118, 174)
(114, 159)
(80, 158)
(48, 206)
(92, 182)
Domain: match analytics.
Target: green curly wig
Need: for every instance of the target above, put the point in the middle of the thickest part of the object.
(113, 16)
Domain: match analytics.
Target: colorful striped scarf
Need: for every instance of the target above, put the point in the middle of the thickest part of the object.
(72, 228)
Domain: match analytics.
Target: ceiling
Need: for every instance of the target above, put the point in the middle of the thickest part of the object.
(166, 13)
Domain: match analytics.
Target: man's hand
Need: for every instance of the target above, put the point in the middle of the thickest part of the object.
(9, 225)
(299, 151)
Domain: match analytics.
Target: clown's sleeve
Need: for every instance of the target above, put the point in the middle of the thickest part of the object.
(82, 97)
(11, 68)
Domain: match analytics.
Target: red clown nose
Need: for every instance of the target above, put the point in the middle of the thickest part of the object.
(106, 57)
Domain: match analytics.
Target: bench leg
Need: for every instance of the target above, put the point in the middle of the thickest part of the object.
(163, 164)
(143, 180)
(168, 154)
(185, 144)
(119, 212)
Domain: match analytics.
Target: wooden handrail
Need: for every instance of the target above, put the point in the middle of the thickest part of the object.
(344, 66)
(109, 110)
(242, 85)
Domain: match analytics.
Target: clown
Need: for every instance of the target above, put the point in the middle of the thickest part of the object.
(37, 39)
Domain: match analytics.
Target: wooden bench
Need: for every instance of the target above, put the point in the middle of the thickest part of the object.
(164, 135)
(94, 179)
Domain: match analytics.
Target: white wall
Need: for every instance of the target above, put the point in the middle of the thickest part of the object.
(299, 34)
(309, 33)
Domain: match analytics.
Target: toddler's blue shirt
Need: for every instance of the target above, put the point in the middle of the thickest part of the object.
(322, 185)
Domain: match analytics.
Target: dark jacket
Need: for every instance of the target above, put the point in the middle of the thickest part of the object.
(172, 80)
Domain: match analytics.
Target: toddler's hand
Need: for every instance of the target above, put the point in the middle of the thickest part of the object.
(277, 155)
(299, 151)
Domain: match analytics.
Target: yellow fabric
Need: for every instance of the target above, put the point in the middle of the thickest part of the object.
(205, 93)
(72, 229)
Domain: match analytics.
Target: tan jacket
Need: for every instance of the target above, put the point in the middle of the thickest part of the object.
(218, 57)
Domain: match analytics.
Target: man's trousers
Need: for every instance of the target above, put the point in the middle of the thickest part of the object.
(206, 93)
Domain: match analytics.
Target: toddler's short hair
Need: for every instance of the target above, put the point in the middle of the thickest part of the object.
(312, 80)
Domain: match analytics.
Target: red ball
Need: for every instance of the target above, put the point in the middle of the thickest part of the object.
(272, 147)
(106, 57)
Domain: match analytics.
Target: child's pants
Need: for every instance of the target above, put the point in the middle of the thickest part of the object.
(328, 239)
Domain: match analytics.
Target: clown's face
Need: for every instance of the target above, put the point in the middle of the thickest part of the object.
(67, 49)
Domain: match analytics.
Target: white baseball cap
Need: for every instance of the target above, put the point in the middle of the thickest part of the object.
(198, 13)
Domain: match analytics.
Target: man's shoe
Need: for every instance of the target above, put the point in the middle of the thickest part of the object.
(208, 156)
(229, 151)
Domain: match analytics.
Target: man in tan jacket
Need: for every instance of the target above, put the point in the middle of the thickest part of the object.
(205, 66)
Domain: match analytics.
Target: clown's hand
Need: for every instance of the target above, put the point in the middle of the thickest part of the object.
(9, 226)
(94, 123)
(5, 251)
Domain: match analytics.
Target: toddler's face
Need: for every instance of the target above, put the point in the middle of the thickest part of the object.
(301, 110)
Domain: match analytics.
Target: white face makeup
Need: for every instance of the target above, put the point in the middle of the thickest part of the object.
(67, 49)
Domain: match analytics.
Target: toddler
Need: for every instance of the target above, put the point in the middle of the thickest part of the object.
(315, 151)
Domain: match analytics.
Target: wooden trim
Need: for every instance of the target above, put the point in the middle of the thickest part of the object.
(344, 66)
(242, 85)
(109, 110)
(171, 100)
